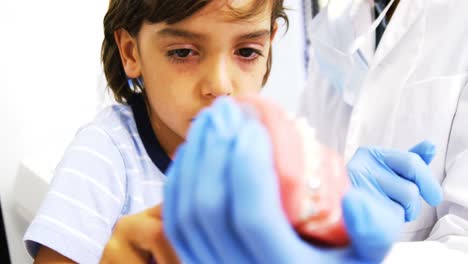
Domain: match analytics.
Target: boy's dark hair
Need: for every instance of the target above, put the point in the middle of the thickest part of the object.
(130, 15)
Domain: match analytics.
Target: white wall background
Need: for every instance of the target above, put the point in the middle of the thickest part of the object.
(51, 83)
(288, 73)
(50, 72)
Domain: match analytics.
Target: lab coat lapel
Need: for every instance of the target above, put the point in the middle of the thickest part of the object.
(372, 119)
(361, 19)
(406, 14)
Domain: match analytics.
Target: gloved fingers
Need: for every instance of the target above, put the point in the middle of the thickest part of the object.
(365, 167)
(364, 182)
(412, 167)
(171, 229)
(211, 191)
(369, 179)
(258, 216)
(426, 150)
(186, 210)
(403, 192)
(372, 225)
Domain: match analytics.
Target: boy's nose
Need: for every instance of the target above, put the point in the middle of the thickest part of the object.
(218, 81)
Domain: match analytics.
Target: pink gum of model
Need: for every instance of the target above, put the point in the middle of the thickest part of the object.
(321, 221)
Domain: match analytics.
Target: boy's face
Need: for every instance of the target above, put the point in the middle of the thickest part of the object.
(185, 66)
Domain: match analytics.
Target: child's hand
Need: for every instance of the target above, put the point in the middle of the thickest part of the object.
(138, 238)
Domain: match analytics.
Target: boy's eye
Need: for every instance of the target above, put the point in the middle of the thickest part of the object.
(248, 53)
(181, 53)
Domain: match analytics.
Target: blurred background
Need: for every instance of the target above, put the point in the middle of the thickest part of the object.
(51, 83)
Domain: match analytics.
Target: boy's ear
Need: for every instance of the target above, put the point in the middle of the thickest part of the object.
(273, 31)
(129, 55)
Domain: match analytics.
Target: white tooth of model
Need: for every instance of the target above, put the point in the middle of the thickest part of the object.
(312, 162)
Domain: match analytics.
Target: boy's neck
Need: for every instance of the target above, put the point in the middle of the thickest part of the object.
(168, 140)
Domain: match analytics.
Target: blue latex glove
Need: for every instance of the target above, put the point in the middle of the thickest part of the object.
(222, 202)
(402, 176)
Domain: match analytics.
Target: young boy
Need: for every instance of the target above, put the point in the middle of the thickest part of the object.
(179, 55)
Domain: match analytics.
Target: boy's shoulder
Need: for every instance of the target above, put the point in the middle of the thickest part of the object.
(114, 115)
(113, 129)
(117, 121)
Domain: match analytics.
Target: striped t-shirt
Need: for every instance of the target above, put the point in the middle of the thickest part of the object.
(112, 168)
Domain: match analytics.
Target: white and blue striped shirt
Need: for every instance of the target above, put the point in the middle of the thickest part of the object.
(113, 167)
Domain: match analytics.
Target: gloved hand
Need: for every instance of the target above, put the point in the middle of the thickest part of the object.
(403, 177)
(222, 201)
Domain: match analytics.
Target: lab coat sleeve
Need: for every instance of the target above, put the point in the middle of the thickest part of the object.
(448, 240)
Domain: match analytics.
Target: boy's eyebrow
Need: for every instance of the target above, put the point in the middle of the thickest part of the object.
(255, 34)
(173, 32)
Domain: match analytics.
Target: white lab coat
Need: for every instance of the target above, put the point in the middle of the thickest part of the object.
(416, 89)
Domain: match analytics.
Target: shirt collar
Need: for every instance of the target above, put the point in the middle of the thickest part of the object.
(147, 135)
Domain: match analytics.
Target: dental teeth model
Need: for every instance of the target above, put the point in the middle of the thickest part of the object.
(312, 177)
